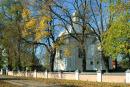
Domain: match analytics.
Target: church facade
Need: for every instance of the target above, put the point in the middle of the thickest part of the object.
(74, 61)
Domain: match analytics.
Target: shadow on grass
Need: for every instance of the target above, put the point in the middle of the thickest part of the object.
(69, 86)
(7, 78)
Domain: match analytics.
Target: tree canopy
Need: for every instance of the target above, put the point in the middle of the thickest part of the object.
(117, 39)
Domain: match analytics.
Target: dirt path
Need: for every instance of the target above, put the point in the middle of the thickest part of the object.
(25, 83)
(29, 83)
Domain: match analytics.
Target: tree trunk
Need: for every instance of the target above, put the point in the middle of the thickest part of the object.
(52, 59)
(83, 55)
(116, 64)
(1, 58)
(10, 67)
(105, 60)
(34, 62)
(128, 55)
(84, 59)
(129, 62)
(19, 54)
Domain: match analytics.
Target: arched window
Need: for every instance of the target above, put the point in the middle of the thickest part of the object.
(61, 53)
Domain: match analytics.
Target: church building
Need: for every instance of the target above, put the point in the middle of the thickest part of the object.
(74, 61)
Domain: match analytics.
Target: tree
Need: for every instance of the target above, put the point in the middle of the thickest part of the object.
(10, 16)
(117, 8)
(44, 30)
(11, 32)
(117, 39)
(31, 24)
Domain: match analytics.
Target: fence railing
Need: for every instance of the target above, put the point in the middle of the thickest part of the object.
(96, 77)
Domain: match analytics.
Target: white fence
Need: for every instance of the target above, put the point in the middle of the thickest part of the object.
(96, 77)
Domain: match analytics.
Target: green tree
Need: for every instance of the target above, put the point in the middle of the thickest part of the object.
(11, 31)
(29, 23)
(117, 39)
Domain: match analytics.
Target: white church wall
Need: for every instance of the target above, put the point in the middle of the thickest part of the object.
(66, 64)
(72, 63)
(78, 59)
(90, 52)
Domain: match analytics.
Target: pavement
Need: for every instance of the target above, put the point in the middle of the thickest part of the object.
(25, 83)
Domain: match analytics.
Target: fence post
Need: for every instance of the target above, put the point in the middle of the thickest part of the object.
(6, 71)
(46, 74)
(26, 73)
(128, 76)
(13, 72)
(77, 74)
(60, 75)
(19, 73)
(1, 72)
(99, 76)
(35, 73)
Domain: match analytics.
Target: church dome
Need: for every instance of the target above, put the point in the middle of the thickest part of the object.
(77, 27)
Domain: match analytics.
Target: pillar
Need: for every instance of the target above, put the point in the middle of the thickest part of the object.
(99, 76)
(77, 74)
(128, 76)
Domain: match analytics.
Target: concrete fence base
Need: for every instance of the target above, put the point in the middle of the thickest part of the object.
(95, 77)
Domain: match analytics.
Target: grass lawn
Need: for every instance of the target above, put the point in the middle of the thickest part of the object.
(4, 84)
(74, 83)
(70, 83)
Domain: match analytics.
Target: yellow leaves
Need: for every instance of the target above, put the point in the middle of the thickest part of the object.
(38, 36)
(46, 18)
(30, 24)
(37, 27)
(61, 40)
(43, 22)
(41, 28)
(25, 13)
(67, 52)
(55, 45)
(45, 33)
(41, 34)
(119, 7)
(42, 25)
(24, 33)
(112, 8)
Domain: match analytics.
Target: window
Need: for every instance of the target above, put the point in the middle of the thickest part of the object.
(61, 53)
(97, 62)
(91, 50)
(91, 62)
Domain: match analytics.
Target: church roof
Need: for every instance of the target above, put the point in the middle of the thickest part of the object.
(77, 27)
(65, 32)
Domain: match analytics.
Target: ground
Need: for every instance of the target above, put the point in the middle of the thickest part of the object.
(31, 82)
(24, 82)
(5, 84)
